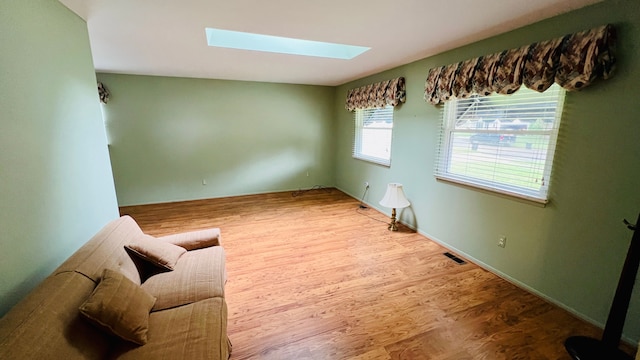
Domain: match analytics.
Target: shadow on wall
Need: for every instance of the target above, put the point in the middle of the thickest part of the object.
(408, 217)
(19, 291)
(287, 168)
(240, 173)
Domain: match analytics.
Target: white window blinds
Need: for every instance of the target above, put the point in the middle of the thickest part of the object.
(502, 143)
(373, 133)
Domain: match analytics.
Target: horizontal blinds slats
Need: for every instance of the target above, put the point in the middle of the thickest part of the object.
(504, 131)
(382, 117)
(489, 142)
(372, 140)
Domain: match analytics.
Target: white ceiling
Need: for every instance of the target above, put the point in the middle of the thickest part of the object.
(167, 37)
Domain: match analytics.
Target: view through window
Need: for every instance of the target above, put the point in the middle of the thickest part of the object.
(373, 130)
(502, 143)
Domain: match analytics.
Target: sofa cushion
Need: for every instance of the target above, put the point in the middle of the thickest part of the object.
(47, 324)
(195, 331)
(106, 250)
(157, 252)
(120, 307)
(195, 239)
(199, 274)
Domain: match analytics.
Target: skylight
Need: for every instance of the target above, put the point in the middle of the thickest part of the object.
(277, 44)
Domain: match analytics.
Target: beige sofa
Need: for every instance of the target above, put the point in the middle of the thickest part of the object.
(188, 319)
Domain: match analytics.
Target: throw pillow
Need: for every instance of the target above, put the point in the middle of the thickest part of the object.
(120, 307)
(157, 252)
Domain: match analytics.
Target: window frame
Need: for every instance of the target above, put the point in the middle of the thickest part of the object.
(386, 113)
(446, 149)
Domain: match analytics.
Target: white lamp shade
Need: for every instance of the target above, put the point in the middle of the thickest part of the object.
(394, 198)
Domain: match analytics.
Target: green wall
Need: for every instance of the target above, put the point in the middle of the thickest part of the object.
(570, 251)
(56, 187)
(167, 135)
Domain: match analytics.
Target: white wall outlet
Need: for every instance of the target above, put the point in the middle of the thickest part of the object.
(366, 184)
(307, 174)
(204, 182)
(502, 241)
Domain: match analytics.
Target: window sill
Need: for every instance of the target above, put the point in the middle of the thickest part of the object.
(501, 193)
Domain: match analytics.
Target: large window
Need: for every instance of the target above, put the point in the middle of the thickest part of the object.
(502, 143)
(373, 129)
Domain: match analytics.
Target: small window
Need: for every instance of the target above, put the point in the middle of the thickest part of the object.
(372, 141)
(502, 143)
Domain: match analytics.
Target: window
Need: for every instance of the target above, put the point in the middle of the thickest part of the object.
(373, 130)
(502, 143)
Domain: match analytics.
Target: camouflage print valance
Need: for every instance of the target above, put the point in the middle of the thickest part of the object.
(572, 61)
(103, 92)
(378, 95)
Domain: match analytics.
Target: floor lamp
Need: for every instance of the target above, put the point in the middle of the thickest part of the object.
(394, 199)
(586, 348)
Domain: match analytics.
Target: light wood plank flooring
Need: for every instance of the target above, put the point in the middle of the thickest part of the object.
(315, 277)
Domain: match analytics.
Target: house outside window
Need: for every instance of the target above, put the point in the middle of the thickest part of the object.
(373, 135)
(501, 143)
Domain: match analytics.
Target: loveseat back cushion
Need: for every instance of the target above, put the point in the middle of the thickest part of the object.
(196, 331)
(106, 250)
(47, 323)
(198, 275)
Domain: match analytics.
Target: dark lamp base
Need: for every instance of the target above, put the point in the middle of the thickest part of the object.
(586, 348)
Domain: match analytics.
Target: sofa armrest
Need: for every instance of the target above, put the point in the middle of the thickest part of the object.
(195, 239)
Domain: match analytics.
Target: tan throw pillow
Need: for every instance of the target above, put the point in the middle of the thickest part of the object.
(120, 307)
(157, 252)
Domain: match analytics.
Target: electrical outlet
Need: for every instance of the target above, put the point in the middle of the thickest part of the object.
(366, 184)
(502, 241)
(204, 181)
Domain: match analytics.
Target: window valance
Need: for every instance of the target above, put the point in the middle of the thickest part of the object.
(378, 95)
(103, 92)
(572, 61)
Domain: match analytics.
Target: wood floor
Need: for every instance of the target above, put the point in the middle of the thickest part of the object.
(315, 277)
